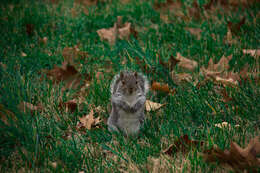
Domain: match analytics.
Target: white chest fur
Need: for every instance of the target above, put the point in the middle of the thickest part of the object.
(129, 122)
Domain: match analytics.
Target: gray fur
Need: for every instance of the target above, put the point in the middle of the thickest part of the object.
(127, 113)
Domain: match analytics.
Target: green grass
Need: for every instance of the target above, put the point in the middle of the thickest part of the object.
(33, 142)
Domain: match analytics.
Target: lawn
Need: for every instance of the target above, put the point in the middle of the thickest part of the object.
(57, 60)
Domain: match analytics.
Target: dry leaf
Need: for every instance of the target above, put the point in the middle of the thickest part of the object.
(252, 52)
(152, 106)
(23, 54)
(108, 34)
(88, 121)
(181, 77)
(87, 2)
(29, 29)
(168, 5)
(194, 11)
(186, 63)
(226, 82)
(72, 55)
(238, 158)
(156, 86)
(119, 30)
(172, 62)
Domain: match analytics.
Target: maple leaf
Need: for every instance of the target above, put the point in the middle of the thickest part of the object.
(186, 63)
(88, 121)
(152, 106)
(119, 30)
(238, 158)
(219, 72)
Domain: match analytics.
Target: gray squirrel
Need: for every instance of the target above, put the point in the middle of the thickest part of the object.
(128, 96)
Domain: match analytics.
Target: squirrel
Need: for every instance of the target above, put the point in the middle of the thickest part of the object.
(128, 96)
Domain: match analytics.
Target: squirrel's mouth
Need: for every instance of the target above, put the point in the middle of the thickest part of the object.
(130, 91)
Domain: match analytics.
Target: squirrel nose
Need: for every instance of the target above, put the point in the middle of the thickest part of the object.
(130, 90)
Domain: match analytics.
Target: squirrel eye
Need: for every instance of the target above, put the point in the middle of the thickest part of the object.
(123, 82)
(136, 82)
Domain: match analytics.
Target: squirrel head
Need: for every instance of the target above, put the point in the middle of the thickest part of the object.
(129, 82)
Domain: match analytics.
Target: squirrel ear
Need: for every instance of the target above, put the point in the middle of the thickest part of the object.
(121, 75)
(135, 73)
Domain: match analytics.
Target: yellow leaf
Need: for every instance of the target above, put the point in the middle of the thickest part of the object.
(152, 106)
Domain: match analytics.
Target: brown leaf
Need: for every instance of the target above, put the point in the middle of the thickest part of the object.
(181, 77)
(87, 2)
(194, 11)
(70, 105)
(72, 55)
(108, 34)
(29, 29)
(119, 30)
(88, 121)
(194, 31)
(182, 144)
(156, 86)
(235, 27)
(152, 106)
(238, 158)
(169, 4)
(172, 62)
(186, 63)
(253, 52)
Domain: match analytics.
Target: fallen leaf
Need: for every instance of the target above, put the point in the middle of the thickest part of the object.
(226, 82)
(88, 121)
(108, 34)
(72, 55)
(156, 86)
(87, 2)
(29, 29)
(238, 158)
(23, 54)
(186, 63)
(223, 125)
(169, 4)
(70, 105)
(194, 11)
(181, 78)
(235, 27)
(172, 62)
(194, 31)
(119, 30)
(183, 143)
(68, 74)
(252, 52)
(152, 106)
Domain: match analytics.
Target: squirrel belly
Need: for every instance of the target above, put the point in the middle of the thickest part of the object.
(129, 123)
